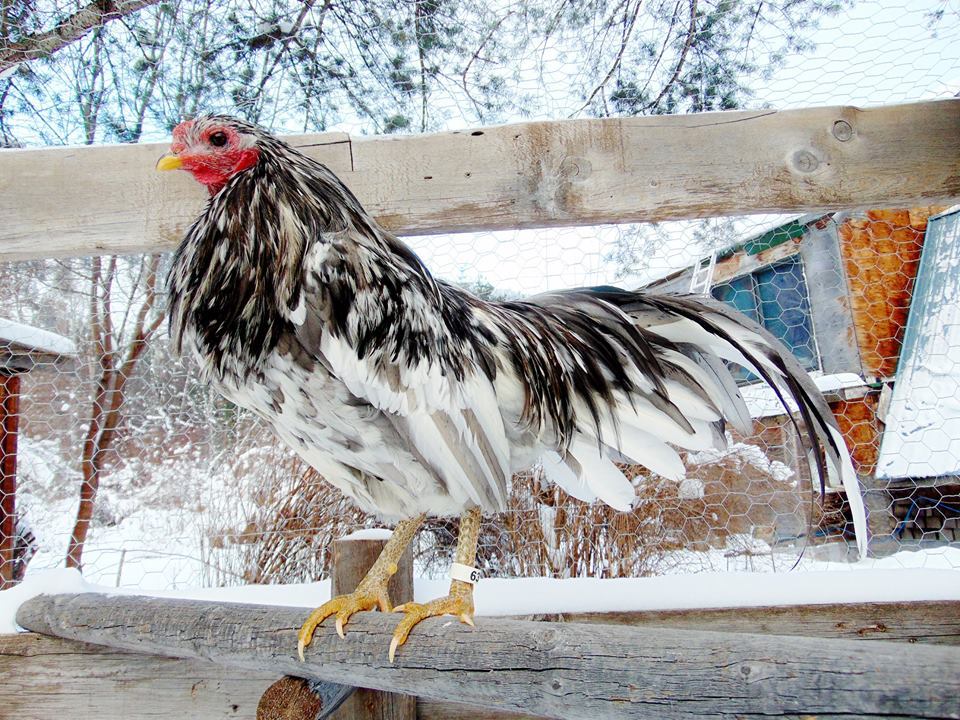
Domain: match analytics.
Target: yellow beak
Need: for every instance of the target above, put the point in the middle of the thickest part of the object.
(169, 162)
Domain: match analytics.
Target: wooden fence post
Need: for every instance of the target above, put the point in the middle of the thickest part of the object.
(293, 698)
(351, 560)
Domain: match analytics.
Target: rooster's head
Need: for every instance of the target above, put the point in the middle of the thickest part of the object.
(213, 149)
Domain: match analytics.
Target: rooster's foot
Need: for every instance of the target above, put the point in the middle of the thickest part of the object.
(459, 603)
(370, 594)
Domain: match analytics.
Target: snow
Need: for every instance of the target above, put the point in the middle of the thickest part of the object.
(904, 577)
(922, 436)
(152, 536)
(51, 581)
(743, 454)
(691, 489)
(35, 338)
(370, 534)
(762, 401)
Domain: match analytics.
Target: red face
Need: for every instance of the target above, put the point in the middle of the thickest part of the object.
(213, 152)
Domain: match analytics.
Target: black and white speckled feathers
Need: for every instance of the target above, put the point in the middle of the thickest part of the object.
(413, 395)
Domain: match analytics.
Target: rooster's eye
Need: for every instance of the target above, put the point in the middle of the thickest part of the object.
(218, 139)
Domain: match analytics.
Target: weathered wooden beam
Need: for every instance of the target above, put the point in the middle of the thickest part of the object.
(108, 199)
(930, 623)
(49, 678)
(44, 678)
(554, 670)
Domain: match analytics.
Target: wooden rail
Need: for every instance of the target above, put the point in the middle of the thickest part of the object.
(928, 623)
(49, 678)
(547, 669)
(108, 199)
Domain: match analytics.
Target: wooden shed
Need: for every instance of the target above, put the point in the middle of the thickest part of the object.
(840, 289)
(22, 349)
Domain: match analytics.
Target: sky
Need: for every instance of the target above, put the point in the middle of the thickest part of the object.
(871, 54)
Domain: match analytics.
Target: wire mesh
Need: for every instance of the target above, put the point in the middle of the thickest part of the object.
(122, 452)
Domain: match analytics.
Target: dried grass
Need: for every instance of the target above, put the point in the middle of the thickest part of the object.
(545, 532)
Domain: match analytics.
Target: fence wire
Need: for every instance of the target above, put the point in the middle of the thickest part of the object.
(123, 453)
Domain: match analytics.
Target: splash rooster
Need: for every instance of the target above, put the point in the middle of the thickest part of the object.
(416, 398)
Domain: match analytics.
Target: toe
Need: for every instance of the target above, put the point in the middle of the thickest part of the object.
(305, 634)
(402, 631)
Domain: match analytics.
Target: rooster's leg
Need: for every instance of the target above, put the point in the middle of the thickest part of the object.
(460, 600)
(370, 593)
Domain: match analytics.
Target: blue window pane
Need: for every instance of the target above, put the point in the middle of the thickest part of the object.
(738, 294)
(784, 307)
(776, 297)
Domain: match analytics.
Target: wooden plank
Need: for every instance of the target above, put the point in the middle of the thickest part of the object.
(81, 201)
(292, 698)
(48, 678)
(440, 710)
(51, 679)
(568, 670)
(928, 623)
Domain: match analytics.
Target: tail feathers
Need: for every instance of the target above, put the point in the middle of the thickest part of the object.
(587, 475)
(732, 406)
(851, 485)
(633, 445)
(716, 329)
(635, 372)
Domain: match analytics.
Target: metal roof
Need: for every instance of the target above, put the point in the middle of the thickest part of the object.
(922, 436)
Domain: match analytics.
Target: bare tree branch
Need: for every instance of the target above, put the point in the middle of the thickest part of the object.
(691, 33)
(629, 22)
(107, 411)
(94, 15)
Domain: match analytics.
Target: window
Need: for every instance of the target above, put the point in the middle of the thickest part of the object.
(776, 297)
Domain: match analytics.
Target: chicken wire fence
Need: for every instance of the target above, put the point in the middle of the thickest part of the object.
(127, 463)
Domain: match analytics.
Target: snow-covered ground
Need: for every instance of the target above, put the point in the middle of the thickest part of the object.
(145, 535)
(904, 577)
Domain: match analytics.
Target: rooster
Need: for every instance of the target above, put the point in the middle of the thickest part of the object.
(416, 398)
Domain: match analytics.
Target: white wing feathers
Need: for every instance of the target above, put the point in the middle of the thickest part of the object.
(455, 427)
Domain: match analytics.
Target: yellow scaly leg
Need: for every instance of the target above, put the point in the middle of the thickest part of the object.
(460, 600)
(370, 593)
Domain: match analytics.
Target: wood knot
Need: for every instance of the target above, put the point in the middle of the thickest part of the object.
(804, 161)
(575, 168)
(870, 629)
(842, 130)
